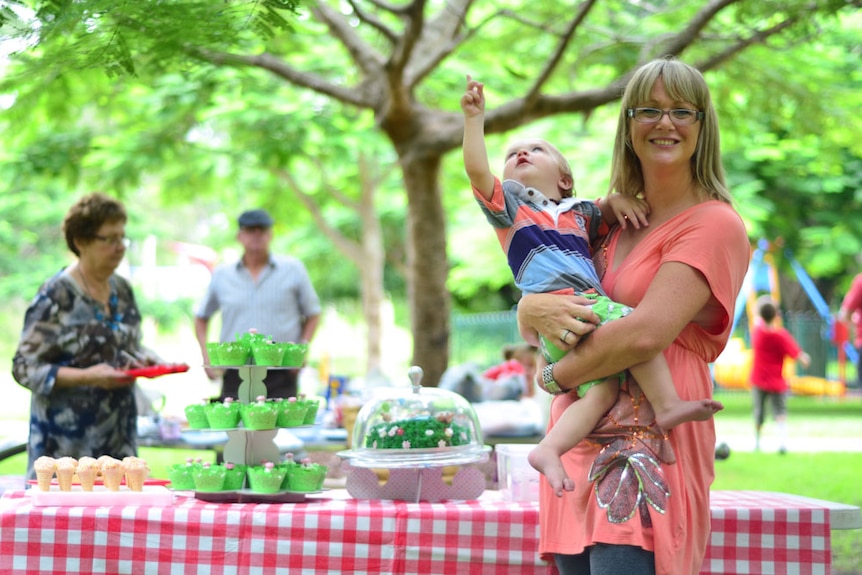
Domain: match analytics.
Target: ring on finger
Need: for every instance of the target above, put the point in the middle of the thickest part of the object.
(566, 335)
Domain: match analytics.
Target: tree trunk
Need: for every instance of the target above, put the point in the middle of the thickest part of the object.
(371, 274)
(427, 265)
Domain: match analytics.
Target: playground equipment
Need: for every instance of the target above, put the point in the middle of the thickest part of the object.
(733, 367)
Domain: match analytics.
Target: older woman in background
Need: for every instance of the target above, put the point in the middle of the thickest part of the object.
(80, 332)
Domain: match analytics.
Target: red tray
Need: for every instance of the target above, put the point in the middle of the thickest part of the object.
(157, 370)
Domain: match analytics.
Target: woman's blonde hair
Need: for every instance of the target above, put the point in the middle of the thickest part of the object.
(682, 83)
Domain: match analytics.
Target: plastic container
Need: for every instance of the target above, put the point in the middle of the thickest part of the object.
(415, 427)
(516, 478)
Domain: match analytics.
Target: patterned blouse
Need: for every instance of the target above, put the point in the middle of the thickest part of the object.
(65, 327)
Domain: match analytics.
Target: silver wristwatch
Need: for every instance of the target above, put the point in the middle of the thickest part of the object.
(548, 380)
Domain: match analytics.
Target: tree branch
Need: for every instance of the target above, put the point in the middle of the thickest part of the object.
(278, 67)
(679, 42)
(415, 20)
(758, 38)
(552, 62)
(374, 22)
(368, 60)
(440, 37)
(348, 247)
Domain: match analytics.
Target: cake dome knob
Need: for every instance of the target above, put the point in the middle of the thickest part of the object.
(415, 374)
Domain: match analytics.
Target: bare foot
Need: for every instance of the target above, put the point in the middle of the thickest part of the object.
(683, 411)
(547, 462)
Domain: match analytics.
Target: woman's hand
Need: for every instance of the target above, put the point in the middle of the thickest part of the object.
(105, 376)
(562, 319)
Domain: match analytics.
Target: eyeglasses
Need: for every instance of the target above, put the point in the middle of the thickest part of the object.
(678, 116)
(114, 241)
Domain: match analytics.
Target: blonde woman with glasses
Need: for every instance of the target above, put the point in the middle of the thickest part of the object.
(641, 498)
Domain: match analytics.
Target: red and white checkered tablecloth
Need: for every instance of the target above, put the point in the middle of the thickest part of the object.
(756, 532)
(323, 535)
(753, 533)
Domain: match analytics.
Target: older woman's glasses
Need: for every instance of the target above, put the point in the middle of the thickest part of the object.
(679, 116)
(114, 241)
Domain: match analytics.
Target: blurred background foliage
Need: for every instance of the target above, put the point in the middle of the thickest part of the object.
(128, 105)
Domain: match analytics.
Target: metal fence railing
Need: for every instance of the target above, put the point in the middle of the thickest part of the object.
(479, 338)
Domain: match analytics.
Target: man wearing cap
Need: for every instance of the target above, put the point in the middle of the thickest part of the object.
(271, 294)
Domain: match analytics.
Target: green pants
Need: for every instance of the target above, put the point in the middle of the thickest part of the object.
(607, 310)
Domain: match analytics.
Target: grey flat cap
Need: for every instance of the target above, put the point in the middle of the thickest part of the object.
(255, 219)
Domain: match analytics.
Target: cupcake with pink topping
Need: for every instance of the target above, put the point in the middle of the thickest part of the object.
(234, 476)
(224, 415)
(291, 413)
(181, 474)
(266, 478)
(259, 415)
(209, 477)
(306, 476)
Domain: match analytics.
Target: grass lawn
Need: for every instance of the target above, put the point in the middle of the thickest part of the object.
(827, 474)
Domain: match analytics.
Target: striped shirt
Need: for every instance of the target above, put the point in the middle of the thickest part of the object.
(547, 245)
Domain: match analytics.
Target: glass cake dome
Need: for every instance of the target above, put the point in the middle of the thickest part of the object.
(415, 426)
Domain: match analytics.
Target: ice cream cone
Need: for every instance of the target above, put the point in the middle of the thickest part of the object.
(137, 472)
(44, 467)
(88, 470)
(112, 473)
(66, 467)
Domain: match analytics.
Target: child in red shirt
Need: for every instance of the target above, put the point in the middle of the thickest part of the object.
(770, 345)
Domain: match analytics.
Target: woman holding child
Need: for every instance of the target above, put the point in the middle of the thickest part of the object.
(640, 503)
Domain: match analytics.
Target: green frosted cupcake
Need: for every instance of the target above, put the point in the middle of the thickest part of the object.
(213, 352)
(232, 353)
(197, 415)
(182, 474)
(250, 338)
(312, 406)
(268, 353)
(287, 465)
(291, 413)
(259, 415)
(223, 415)
(294, 354)
(209, 478)
(266, 478)
(307, 476)
(234, 476)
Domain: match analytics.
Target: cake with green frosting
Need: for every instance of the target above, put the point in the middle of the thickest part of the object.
(422, 432)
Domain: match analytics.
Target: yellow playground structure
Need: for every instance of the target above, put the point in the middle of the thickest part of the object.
(732, 368)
